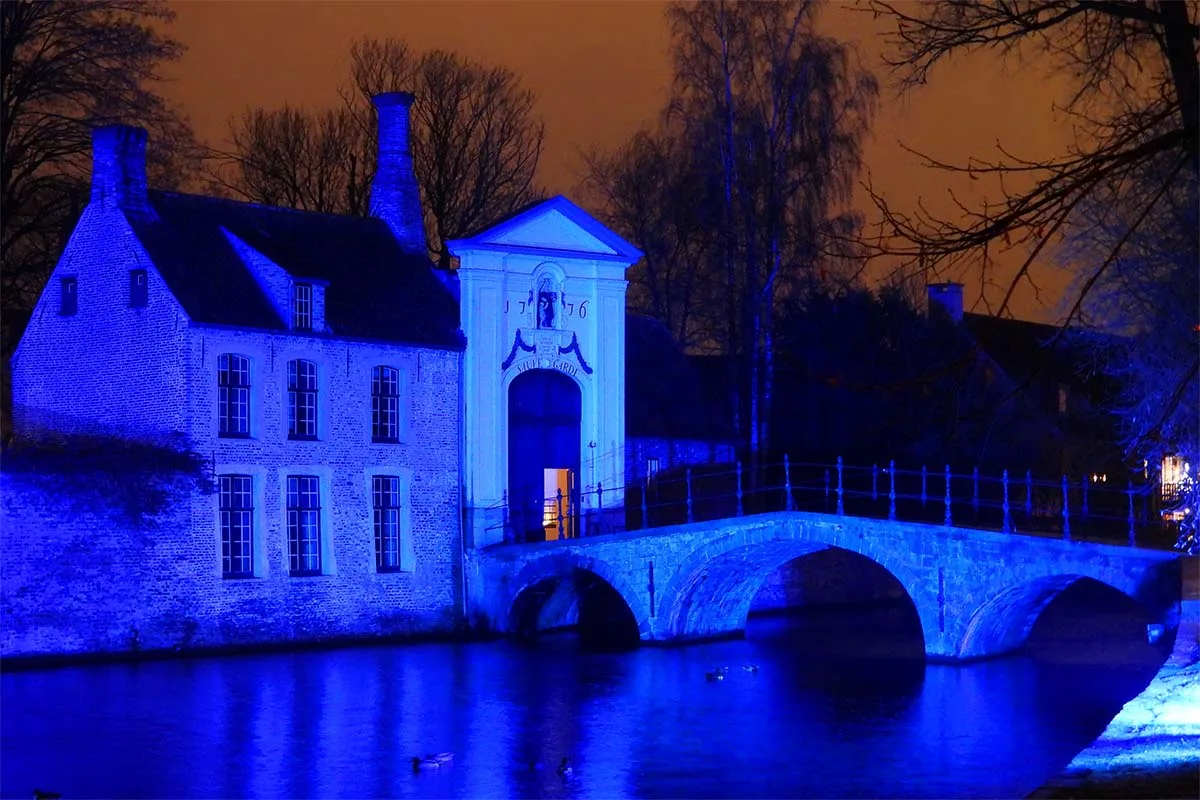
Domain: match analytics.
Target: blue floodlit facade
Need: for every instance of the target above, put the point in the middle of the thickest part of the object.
(362, 419)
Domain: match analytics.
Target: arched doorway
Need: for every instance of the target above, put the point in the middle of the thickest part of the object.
(544, 410)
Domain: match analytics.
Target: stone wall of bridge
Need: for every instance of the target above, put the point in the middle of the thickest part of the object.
(977, 593)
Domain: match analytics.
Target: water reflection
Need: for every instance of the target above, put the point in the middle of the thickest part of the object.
(809, 722)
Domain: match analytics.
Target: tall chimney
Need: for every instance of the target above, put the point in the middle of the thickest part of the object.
(948, 297)
(119, 168)
(395, 198)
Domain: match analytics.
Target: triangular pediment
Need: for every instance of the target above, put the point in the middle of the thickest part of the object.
(556, 225)
(551, 229)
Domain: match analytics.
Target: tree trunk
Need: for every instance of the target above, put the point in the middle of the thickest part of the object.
(729, 176)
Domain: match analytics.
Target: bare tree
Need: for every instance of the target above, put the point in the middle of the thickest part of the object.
(68, 65)
(1141, 322)
(476, 143)
(299, 159)
(765, 120)
(1126, 186)
(651, 190)
(1136, 96)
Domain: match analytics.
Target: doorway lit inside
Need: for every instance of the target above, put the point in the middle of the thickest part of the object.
(558, 512)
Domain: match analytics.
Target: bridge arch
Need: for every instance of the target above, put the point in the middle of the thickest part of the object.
(712, 591)
(544, 576)
(1002, 624)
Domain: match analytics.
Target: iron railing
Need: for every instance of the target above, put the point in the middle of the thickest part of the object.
(1089, 507)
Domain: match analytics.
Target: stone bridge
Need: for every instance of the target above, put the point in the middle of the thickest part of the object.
(977, 593)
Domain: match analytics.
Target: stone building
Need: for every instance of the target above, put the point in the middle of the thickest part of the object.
(363, 417)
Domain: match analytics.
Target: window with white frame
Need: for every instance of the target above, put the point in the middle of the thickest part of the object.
(385, 497)
(385, 404)
(304, 525)
(237, 525)
(302, 399)
(302, 306)
(233, 395)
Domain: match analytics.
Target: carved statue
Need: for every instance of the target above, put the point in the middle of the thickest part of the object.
(545, 309)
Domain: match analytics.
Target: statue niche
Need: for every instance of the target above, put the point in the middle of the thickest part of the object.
(547, 304)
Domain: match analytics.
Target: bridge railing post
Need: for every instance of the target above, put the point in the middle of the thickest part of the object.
(1006, 526)
(508, 529)
(1028, 493)
(561, 529)
(826, 488)
(892, 489)
(1132, 527)
(787, 484)
(690, 517)
(874, 482)
(924, 479)
(946, 520)
(599, 507)
(739, 487)
(645, 508)
(975, 490)
(1066, 511)
(841, 508)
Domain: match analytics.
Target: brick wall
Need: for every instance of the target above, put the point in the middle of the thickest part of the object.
(117, 560)
(81, 576)
(353, 596)
(108, 369)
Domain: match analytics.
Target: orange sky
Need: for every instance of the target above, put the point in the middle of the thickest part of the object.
(600, 71)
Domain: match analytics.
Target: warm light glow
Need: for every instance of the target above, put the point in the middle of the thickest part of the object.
(1176, 475)
(556, 484)
(1174, 470)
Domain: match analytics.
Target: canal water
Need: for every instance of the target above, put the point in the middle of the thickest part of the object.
(828, 713)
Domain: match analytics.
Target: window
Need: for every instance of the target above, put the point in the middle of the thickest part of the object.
(138, 293)
(302, 399)
(1176, 475)
(302, 307)
(68, 301)
(385, 497)
(651, 467)
(304, 525)
(1062, 399)
(385, 404)
(237, 526)
(233, 396)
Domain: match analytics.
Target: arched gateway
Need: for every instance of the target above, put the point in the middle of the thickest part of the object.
(542, 299)
(544, 417)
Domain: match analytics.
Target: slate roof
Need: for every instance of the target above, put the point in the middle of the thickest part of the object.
(1021, 348)
(375, 290)
(663, 395)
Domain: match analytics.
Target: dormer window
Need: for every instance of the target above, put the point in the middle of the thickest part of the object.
(302, 307)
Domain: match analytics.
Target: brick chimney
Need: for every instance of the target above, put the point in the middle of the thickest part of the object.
(119, 168)
(948, 297)
(395, 198)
